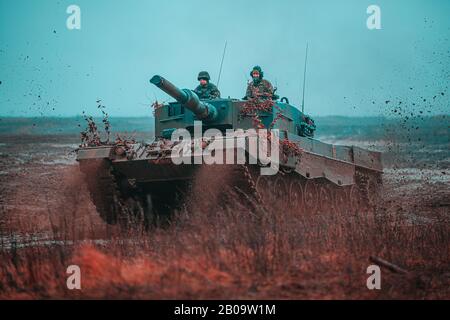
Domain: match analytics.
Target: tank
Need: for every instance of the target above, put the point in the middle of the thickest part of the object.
(145, 182)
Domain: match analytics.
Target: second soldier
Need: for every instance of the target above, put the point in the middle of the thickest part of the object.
(206, 90)
(259, 88)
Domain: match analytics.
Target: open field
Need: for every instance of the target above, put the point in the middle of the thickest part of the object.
(47, 223)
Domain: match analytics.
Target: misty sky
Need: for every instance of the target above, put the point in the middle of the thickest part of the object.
(46, 69)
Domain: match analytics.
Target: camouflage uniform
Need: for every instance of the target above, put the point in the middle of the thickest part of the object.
(209, 91)
(259, 88)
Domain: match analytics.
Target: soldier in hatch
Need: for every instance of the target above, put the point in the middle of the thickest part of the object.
(206, 90)
(259, 87)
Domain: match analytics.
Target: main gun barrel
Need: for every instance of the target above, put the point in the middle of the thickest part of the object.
(187, 98)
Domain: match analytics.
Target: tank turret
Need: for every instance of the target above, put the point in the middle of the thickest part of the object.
(187, 98)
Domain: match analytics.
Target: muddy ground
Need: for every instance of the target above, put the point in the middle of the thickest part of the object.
(44, 203)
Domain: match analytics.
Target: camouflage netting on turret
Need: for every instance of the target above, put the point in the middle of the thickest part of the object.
(255, 105)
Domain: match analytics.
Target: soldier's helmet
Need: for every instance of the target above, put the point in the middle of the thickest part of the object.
(203, 75)
(257, 68)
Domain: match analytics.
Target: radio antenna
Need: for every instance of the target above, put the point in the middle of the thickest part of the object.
(221, 63)
(304, 79)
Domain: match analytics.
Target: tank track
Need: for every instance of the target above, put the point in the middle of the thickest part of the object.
(310, 196)
(285, 189)
(118, 202)
(103, 189)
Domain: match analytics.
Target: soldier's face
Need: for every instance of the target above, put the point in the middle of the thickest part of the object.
(203, 82)
(255, 74)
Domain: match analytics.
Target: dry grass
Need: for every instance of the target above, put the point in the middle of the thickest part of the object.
(234, 252)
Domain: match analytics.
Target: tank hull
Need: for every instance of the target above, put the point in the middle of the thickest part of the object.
(148, 184)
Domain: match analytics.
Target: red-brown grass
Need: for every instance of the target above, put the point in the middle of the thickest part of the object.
(236, 251)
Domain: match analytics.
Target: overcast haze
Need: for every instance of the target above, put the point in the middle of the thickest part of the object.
(46, 69)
